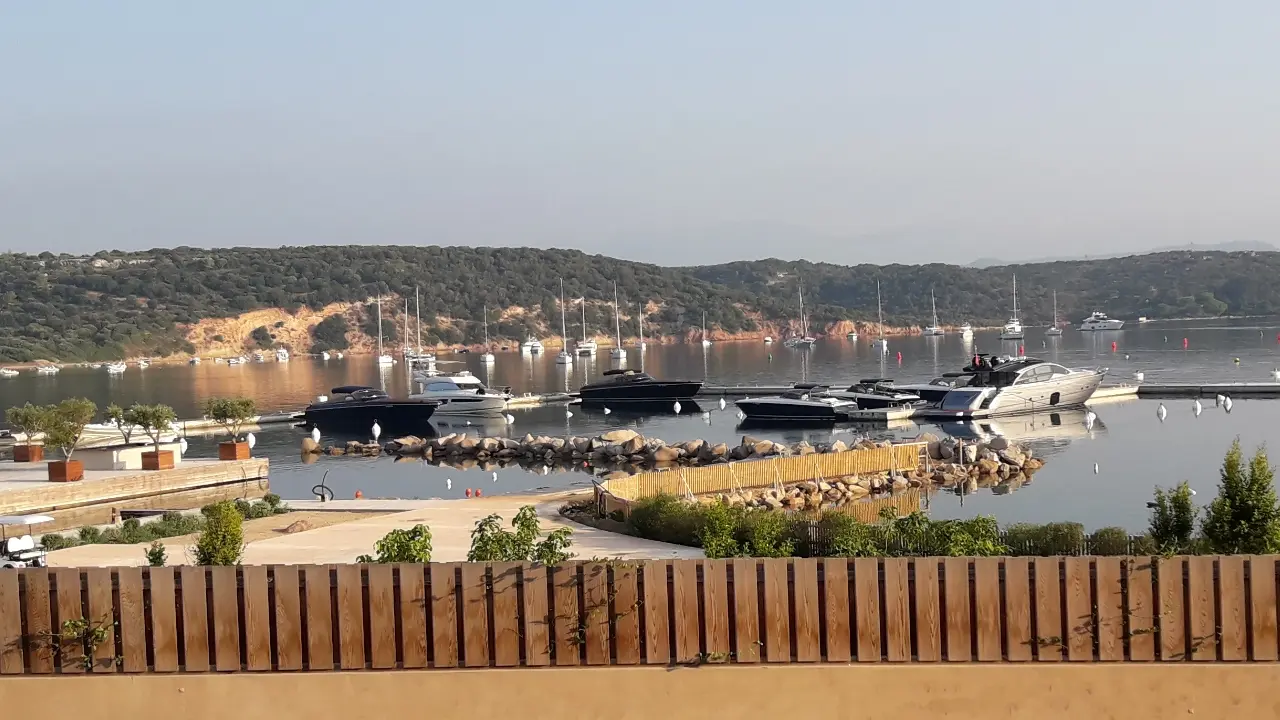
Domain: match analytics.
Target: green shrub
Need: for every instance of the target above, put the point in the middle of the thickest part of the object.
(156, 555)
(767, 534)
(55, 541)
(665, 518)
(174, 523)
(1173, 520)
(1060, 538)
(491, 543)
(230, 413)
(89, 535)
(842, 535)
(65, 424)
(978, 536)
(222, 540)
(1109, 541)
(154, 420)
(402, 546)
(132, 531)
(716, 529)
(1245, 516)
(29, 419)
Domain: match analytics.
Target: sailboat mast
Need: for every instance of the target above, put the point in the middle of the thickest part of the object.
(1055, 308)
(1015, 297)
(584, 318)
(804, 328)
(640, 320)
(879, 310)
(934, 301)
(406, 325)
(564, 332)
(486, 328)
(617, 316)
(379, 326)
(417, 312)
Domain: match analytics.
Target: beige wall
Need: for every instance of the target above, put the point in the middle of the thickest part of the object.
(1130, 691)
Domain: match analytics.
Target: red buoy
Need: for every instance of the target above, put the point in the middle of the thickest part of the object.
(1022, 349)
(478, 492)
(359, 494)
(1184, 343)
(1113, 347)
(899, 356)
(468, 492)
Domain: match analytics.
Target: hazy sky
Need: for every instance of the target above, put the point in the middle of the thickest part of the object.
(680, 131)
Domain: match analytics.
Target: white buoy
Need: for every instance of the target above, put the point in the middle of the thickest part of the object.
(448, 483)
(1095, 468)
(182, 445)
(607, 411)
(495, 476)
(722, 403)
(509, 418)
(377, 431)
(1197, 408)
(706, 416)
(1089, 418)
(742, 415)
(1161, 412)
(1275, 373)
(468, 423)
(315, 434)
(676, 407)
(1226, 403)
(1126, 356)
(545, 470)
(1193, 491)
(251, 439)
(1139, 376)
(568, 414)
(1217, 399)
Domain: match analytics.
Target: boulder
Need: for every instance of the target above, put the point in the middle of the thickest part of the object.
(833, 494)
(839, 446)
(935, 450)
(1031, 465)
(808, 486)
(772, 502)
(762, 448)
(490, 444)
(692, 447)
(740, 453)
(720, 450)
(666, 454)
(857, 491)
(310, 446)
(632, 445)
(297, 526)
(467, 443)
(988, 467)
(996, 444)
(748, 441)
(900, 483)
(969, 453)
(1011, 456)
(803, 448)
(928, 437)
(946, 452)
(620, 436)
(336, 451)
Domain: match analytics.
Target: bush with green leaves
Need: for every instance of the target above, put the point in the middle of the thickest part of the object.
(154, 420)
(717, 529)
(66, 422)
(1245, 516)
(1172, 525)
(1056, 538)
(156, 554)
(402, 546)
(231, 413)
(1110, 541)
(490, 542)
(28, 419)
(221, 542)
(116, 415)
(843, 535)
(56, 541)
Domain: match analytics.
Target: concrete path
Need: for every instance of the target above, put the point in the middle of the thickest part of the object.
(451, 522)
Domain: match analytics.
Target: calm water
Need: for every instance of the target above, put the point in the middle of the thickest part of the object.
(1132, 449)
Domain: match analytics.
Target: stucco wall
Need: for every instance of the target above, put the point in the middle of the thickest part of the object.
(1130, 691)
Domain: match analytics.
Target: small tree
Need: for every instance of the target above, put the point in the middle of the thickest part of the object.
(29, 419)
(222, 540)
(491, 543)
(1173, 520)
(157, 556)
(402, 546)
(66, 422)
(1245, 517)
(117, 415)
(155, 420)
(231, 413)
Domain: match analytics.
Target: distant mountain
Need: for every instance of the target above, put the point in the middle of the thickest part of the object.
(1239, 246)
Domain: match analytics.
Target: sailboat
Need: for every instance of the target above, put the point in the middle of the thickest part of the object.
(881, 343)
(383, 358)
(705, 341)
(1054, 330)
(617, 353)
(487, 357)
(804, 340)
(586, 347)
(640, 324)
(935, 329)
(1013, 329)
(564, 358)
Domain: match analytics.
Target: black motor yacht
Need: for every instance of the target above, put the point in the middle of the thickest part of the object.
(355, 408)
(632, 386)
(877, 394)
(806, 403)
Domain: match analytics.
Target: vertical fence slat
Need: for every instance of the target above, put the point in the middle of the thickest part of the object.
(475, 615)
(657, 621)
(1141, 609)
(1204, 616)
(626, 605)
(685, 596)
(506, 613)
(808, 621)
(70, 607)
(350, 617)
(595, 595)
(835, 590)
(1110, 596)
(11, 641)
(41, 639)
(1232, 619)
(897, 610)
(413, 615)
(986, 577)
(1049, 636)
(866, 588)
(715, 603)
(1079, 601)
(257, 618)
(226, 619)
(287, 611)
(382, 617)
(537, 616)
(195, 620)
(133, 628)
(1173, 630)
(102, 614)
(568, 616)
(777, 611)
(1017, 603)
(928, 615)
(444, 614)
(746, 610)
(164, 619)
(959, 626)
(319, 617)
(1262, 607)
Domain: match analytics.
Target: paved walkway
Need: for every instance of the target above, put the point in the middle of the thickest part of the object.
(451, 522)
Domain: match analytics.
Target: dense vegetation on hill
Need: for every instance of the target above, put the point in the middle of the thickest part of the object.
(113, 304)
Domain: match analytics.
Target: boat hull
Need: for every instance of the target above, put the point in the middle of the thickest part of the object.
(777, 410)
(1065, 392)
(393, 416)
(641, 392)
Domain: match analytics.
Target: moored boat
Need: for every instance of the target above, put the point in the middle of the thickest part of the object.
(633, 386)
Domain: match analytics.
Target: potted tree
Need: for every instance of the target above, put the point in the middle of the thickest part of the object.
(232, 414)
(30, 420)
(154, 421)
(118, 416)
(65, 427)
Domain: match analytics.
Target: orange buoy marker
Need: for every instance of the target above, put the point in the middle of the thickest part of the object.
(468, 492)
(359, 494)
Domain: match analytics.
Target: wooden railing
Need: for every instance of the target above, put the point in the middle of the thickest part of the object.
(352, 617)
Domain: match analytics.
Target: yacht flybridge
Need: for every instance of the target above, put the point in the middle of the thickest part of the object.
(1100, 321)
(1013, 329)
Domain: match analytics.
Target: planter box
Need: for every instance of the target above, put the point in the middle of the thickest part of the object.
(124, 457)
(66, 471)
(233, 451)
(28, 453)
(162, 460)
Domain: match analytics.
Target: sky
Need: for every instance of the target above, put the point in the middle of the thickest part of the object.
(666, 131)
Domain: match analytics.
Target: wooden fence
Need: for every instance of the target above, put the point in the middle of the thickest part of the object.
(352, 617)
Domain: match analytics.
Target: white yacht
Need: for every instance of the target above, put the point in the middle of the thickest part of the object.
(257, 357)
(563, 358)
(191, 361)
(282, 355)
(532, 346)
(880, 343)
(966, 330)
(455, 399)
(616, 352)
(117, 368)
(1013, 329)
(935, 329)
(384, 360)
(47, 370)
(144, 363)
(324, 355)
(8, 372)
(1007, 385)
(587, 347)
(768, 339)
(1054, 329)
(1100, 321)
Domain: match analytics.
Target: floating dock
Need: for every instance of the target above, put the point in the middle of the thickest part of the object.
(1167, 390)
